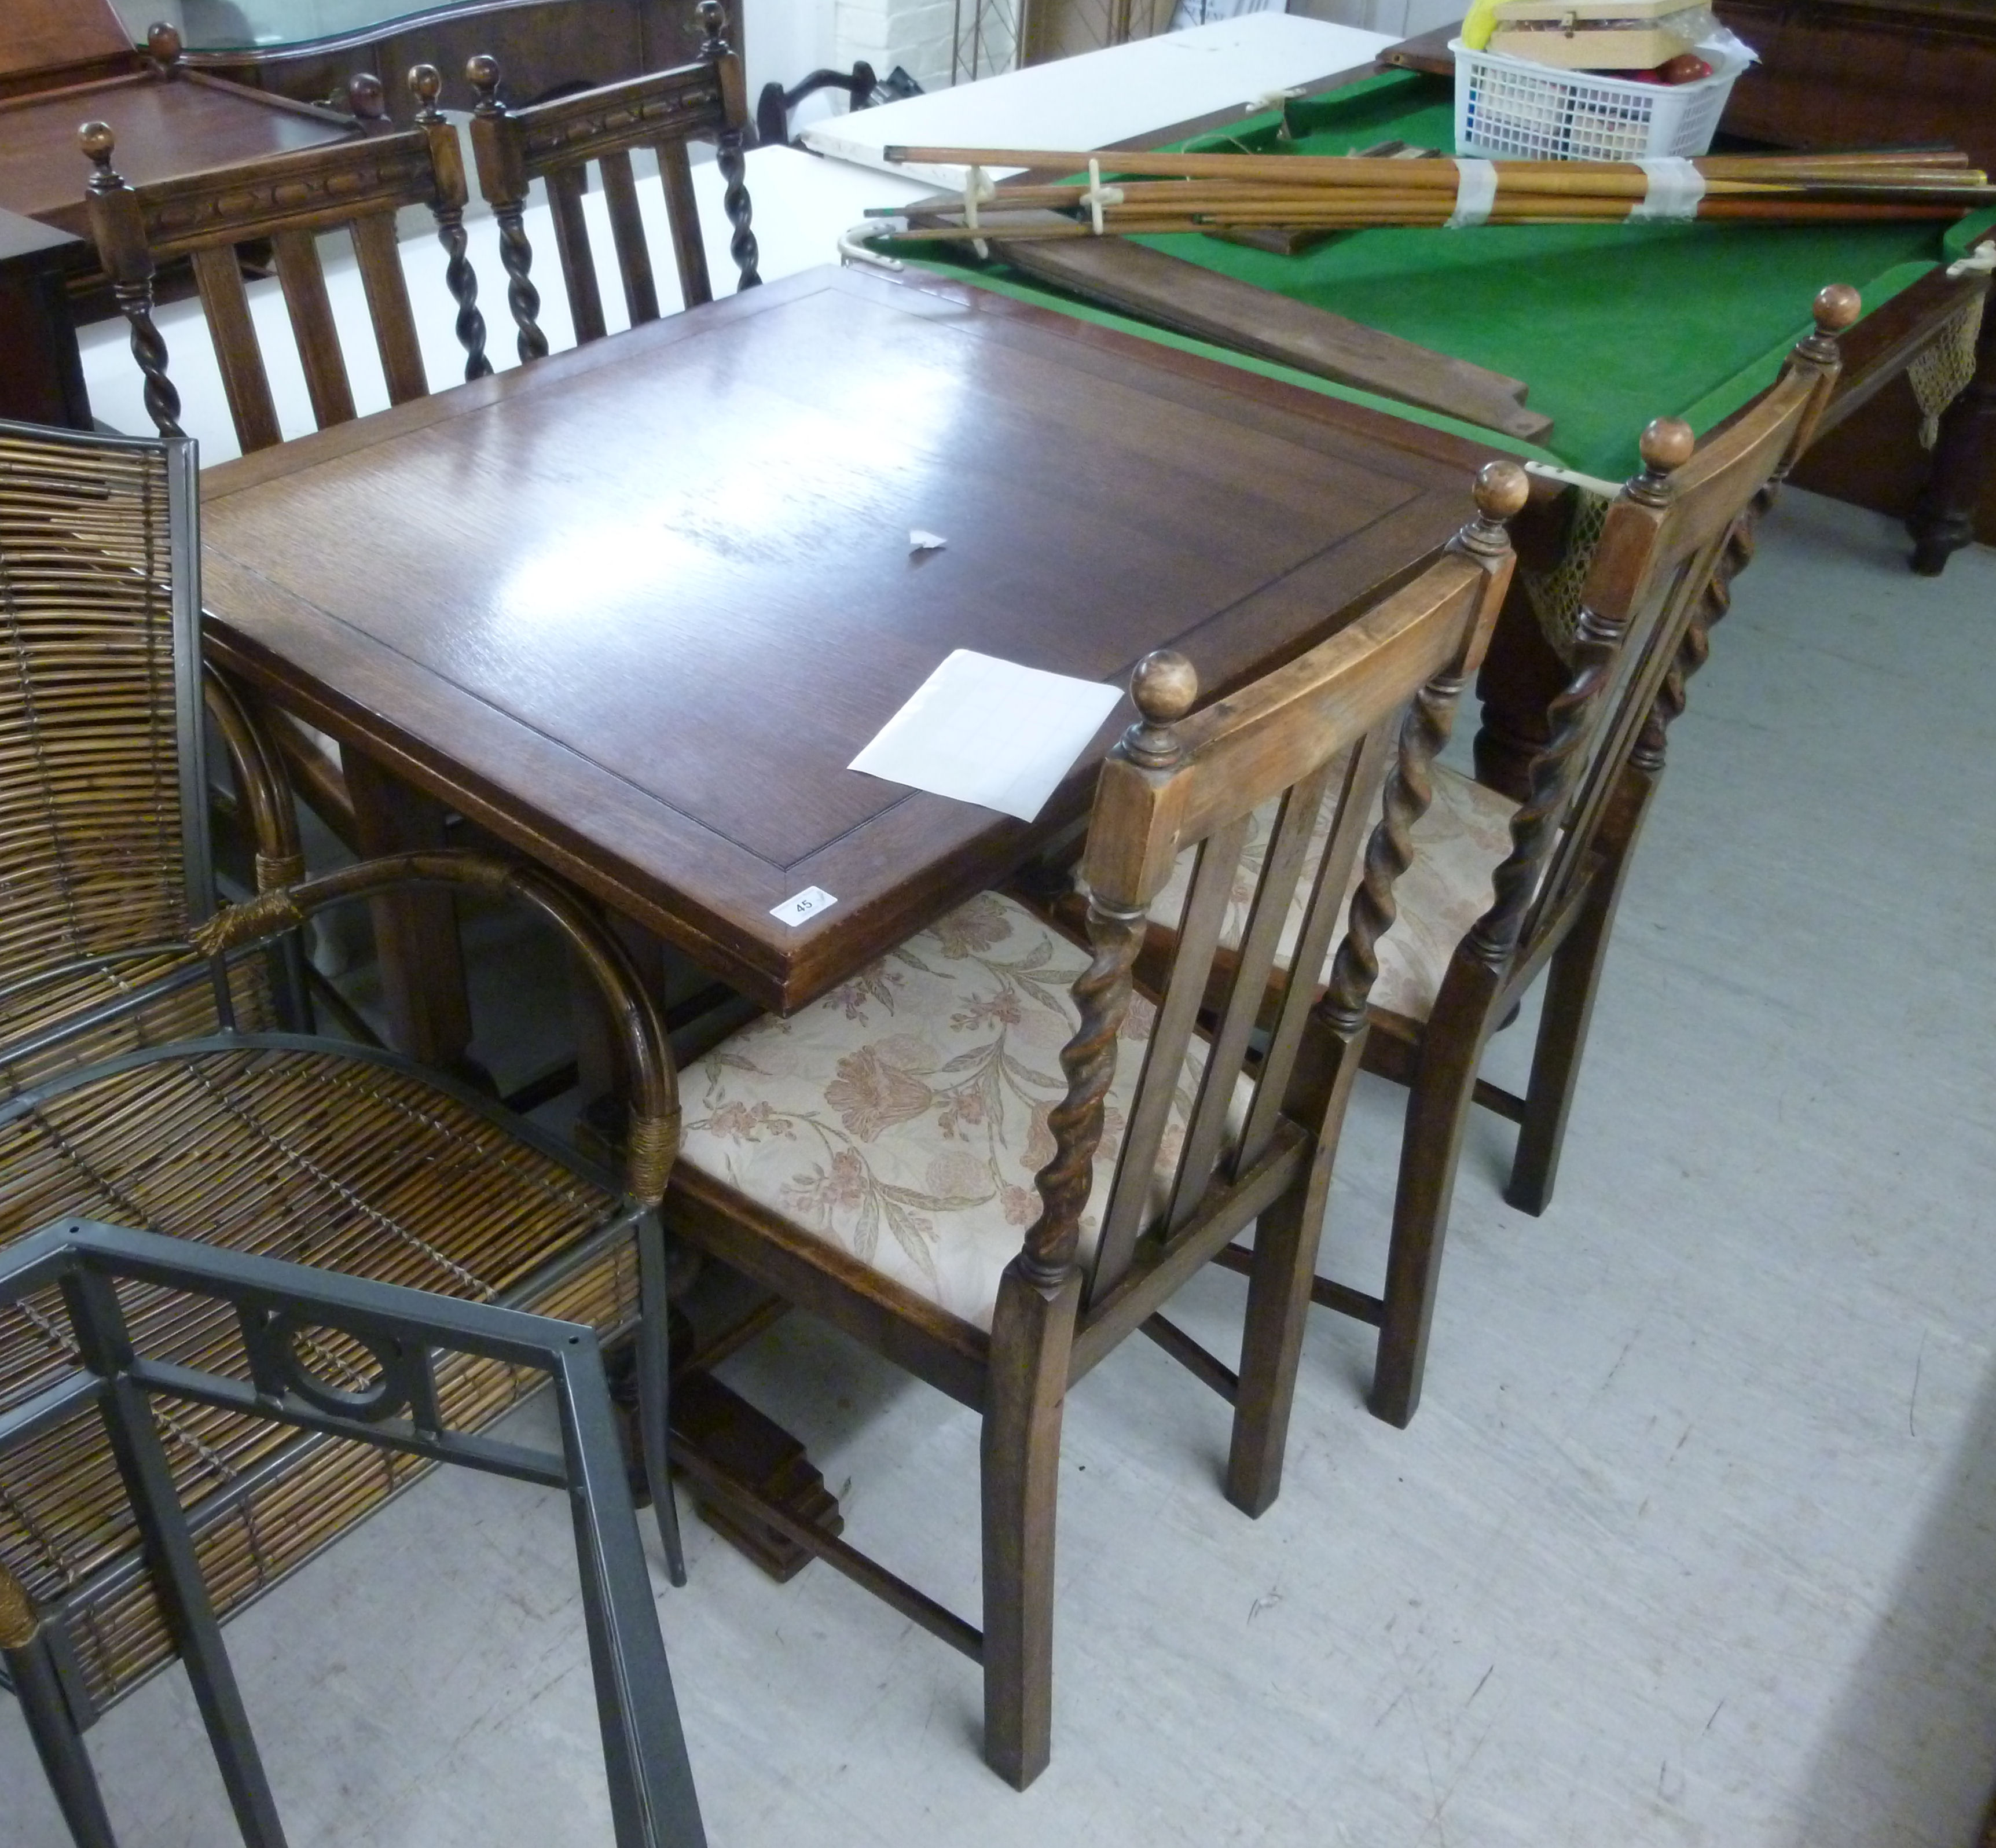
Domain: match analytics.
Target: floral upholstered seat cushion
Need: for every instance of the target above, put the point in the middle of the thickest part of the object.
(902, 1117)
(1458, 844)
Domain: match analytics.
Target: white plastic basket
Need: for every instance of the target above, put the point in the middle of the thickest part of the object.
(1508, 108)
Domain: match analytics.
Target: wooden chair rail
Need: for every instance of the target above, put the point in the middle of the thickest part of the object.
(290, 199)
(555, 141)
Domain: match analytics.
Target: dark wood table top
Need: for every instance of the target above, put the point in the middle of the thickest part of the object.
(635, 608)
(166, 126)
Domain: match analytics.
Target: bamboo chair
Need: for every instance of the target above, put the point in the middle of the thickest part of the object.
(283, 1312)
(867, 1159)
(556, 141)
(291, 200)
(1457, 968)
(157, 1070)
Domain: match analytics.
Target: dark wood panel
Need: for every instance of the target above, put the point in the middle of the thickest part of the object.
(545, 49)
(44, 43)
(674, 595)
(41, 374)
(1833, 75)
(165, 127)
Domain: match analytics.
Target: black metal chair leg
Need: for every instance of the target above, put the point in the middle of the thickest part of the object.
(58, 1741)
(654, 1391)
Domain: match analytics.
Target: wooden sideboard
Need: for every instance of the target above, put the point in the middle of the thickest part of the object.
(1836, 72)
(546, 47)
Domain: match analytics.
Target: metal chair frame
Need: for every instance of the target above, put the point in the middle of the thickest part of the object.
(652, 1800)
(218, 944)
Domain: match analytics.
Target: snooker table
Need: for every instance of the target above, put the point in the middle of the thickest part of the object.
(1609, 326)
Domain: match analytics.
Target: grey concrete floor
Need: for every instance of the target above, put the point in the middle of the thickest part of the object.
(1693, 1541)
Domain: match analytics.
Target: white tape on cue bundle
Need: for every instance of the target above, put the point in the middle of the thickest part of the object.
(1675, 187)
(976, 188)
(1099, 195)
(1475, 193)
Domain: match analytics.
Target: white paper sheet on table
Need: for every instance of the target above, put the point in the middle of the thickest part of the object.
(989, 731)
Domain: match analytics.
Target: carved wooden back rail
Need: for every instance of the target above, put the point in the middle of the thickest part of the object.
(290, 199)
(1321, 730)
(556, 141)
(1641, 628)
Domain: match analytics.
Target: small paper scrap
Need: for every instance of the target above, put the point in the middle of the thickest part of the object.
(989, 731)
(801, 905)
(919, 540)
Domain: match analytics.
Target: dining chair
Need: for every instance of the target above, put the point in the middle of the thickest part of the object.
(342, 1358)
(554, 142)
(158, 1070)
(291, 199)
(1503, 892)
(903, 1158)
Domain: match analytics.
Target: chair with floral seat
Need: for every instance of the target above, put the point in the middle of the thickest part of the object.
(914, 1156)
(1502, 891)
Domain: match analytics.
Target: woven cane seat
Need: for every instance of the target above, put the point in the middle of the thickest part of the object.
(1458, 844)
(312, 1156)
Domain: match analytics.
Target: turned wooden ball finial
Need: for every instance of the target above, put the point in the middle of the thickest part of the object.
(164, 42)
(1502, 488)
(1836, 307)
(1833, 310)
(1666, 446)
(425, 85)
(712, 18)
(96, 140)
(1164, 687)
(482, 72)
(1501, 491)
(366, 96)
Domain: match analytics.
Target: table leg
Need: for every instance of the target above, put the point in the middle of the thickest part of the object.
(1944, 520)
(1521, 674)
(415, 932)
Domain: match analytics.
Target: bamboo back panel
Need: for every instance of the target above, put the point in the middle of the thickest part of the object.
(290, 201)
(1662, 549)
(556, 142)
(1370, 705)
(102, 820)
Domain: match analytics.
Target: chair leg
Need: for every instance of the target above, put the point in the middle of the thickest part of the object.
(1279, 1281)
(1571, 980)
(1032, 1331)
(654, 1386)
(57, 1741)
(1437, 1109)
(1283, 1269)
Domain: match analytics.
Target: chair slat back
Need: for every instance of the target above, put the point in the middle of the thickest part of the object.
(1319, 731)
(290, 200)
(103, 812)
(555, 142)
(1642, 608)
